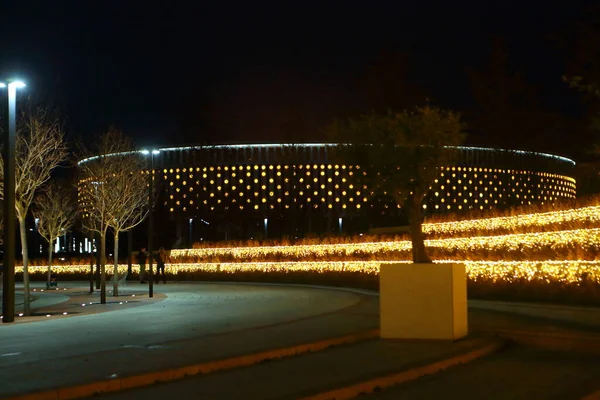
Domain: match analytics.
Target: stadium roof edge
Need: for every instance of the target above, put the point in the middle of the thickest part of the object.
(275, 145)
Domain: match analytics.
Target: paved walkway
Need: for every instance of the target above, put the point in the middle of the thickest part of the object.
(517, 373)
(195, 323)
(39, 299)
(305, 375)
(74, 299)
(580, 317)
(188, 323)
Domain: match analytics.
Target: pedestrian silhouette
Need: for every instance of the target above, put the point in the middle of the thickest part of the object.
(141, 259)
(160, 265)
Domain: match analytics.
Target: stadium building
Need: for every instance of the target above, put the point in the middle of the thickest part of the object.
(243, 191)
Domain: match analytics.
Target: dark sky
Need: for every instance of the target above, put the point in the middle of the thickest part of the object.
(174, 72)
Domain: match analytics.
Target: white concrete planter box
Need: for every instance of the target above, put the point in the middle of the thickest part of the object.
(423, 301)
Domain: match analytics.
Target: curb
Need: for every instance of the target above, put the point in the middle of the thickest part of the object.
(555, 341)
(387, 381)
(592, 396)
(146, 379)
(365, 292)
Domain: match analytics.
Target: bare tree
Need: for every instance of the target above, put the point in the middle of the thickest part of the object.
(40, 148)
(56, 210)
(103, 190)
(129, 192)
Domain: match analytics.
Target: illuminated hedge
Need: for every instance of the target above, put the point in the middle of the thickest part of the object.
(510, 266)
(578, 244)
(495, 271)
(574, 282)
(555, 220)
(549, 240)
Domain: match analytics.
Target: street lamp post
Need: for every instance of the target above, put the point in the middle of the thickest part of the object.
(8, 153)
(150, 218)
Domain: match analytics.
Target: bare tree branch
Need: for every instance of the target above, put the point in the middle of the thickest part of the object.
(113, 192)
(129, 200)
(40, 148)
(56, 210)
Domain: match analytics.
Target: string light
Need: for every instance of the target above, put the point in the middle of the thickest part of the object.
(588, 215)
(494, 271)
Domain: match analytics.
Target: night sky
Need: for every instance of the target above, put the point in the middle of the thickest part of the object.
(183, 72)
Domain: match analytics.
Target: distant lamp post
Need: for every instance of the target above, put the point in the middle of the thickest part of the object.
(266, 221)
(151, 153)
(190, 229)
(8, 153)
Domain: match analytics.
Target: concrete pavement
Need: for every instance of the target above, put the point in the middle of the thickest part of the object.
(517, 373)
(74, 299)
(200, 322)
(581, 317)
(39, 299)
(305, 375)
(195, 323)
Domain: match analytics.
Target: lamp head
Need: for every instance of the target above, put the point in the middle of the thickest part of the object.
(144, 152)
(13, 84)
(155, 151)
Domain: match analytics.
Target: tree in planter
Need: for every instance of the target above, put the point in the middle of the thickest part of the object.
(40, 148)
(108, 164)
(398, 155)
(129, 196)
(56, 210)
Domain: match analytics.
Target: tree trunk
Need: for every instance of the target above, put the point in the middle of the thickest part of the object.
(129, 252)
(103, 267)
(97, 275)
(49, 283)
(92, 262)
(23, 230)
(92, 275)
(116, 266)
(415, 222)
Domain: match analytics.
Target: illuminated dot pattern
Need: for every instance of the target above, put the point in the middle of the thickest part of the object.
(331, 186)
(259, 178)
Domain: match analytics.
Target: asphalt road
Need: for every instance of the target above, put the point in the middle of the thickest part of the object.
(517, 373)
(192, 324)
(199, 322)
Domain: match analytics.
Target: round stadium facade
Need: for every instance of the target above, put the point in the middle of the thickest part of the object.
(248, 191)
